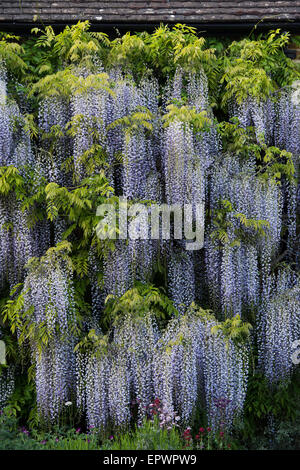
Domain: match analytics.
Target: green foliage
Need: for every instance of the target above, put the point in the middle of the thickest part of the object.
(275, 163)
(13, 438)
(11, 180)
(205, 439)
(234, 329)
(264, 404)
(64, 83)
(21, 323)
(148, 436)
(79, 205)
(11, 53)
(180, 45)
(20, 402)
(272, 163)
(27, 190)
(73, 441)
(162, 51)
(262, 400)
(74, 45)
(93, 343)
(199, 121)
(128, 51)
(237, 140)
(244, 79)
(256, 68)
(192, 56)
(159, 50)
(138, 301)
(222, 223)
(139, 119)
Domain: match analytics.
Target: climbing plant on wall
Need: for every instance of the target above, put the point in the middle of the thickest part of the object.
(113, 323)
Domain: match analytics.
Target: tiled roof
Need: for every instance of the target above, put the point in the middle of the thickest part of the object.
(142, 11)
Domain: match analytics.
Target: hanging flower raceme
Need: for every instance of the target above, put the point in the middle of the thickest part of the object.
(123, 103)
(133, 141)
(287, 124)
(15, 144)
(116, 375)
(130, 261)
(18, 241)
(192, 87)
(117, 270)
(89, 113)
(135, 339)
(93, 368)
(181, 278)
(138, 166)
(233, 267)
(54, 114)
(48, 290)
(94, 278)
(183, 169)
(276, 121)
(258, 114)
(226, 371)
(7, 384)
(279, 326)
(195, 364)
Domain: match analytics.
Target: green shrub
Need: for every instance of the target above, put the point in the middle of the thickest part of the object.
(149, 436)
(12, 437)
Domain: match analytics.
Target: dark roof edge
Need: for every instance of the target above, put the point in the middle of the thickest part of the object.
(215, 27)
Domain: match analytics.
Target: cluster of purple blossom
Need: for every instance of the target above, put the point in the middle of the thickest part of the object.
(186, 366)
(15, 144)
(196, 366)
(48, 288)
(18, 242)
(279, 326)
(232, 270)
(7, 384)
